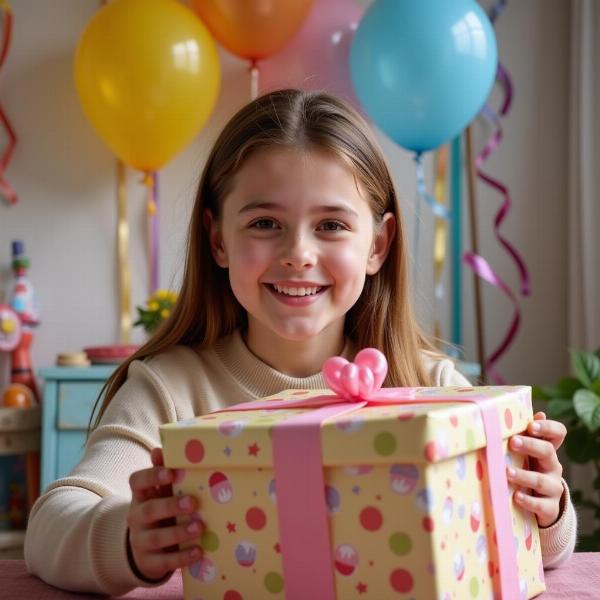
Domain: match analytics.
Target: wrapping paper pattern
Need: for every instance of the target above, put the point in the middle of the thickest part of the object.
(406, 492)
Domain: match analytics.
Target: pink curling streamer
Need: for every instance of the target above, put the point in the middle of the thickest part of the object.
(492, 144)
(482, 269)
(477, 263)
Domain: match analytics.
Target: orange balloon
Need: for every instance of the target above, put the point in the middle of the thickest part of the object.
(17, 395)
(252, 29)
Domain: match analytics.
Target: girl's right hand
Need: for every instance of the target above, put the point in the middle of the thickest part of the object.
(153, 535)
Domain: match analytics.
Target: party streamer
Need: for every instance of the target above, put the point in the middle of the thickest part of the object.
(150, 180)
(5, 188)
(477, 263)
(123, 255)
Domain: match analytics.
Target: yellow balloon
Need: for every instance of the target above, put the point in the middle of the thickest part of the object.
(148, 75)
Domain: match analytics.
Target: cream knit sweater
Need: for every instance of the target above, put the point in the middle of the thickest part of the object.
(76, 538)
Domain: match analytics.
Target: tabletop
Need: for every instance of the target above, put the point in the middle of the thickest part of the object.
(578, 579)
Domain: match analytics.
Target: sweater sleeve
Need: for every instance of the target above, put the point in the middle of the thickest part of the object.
(557, 541)
(77, 530)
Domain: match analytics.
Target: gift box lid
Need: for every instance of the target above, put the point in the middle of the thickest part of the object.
(417, 431)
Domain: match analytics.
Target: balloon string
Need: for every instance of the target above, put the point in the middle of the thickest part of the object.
(417, 241)
(438, 209)
(6, 189)
(155, 234)
(151, 216)
(254, 80)
(440, 236)
(123, 255)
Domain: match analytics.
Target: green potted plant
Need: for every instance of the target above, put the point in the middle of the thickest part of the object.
(576, 402)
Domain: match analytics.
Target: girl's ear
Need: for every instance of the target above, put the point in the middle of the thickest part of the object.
(382, 242)
(215, 237)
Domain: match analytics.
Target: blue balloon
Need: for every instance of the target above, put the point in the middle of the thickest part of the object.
(422, 69)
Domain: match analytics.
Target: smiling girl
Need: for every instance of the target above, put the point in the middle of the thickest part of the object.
(296, 252)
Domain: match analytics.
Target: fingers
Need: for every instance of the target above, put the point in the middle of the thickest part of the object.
(545, 509)
(552, 431)
(151, 540)
(144, 484)
(156, 456)
(158, 509)
(542, 450)
(542, 483)
(154, 535)
(157, 565)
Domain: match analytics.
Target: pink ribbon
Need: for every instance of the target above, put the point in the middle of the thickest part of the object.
(5, 156)
(298, 469)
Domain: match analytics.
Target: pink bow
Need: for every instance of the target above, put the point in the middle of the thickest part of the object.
(359, 379)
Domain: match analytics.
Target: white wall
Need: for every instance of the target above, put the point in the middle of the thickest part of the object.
(65, 178)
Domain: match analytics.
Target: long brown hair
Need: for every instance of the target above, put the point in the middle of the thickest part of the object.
(207, 309)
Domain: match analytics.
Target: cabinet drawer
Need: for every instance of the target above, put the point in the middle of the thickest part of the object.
(69, 452)
(75, 403)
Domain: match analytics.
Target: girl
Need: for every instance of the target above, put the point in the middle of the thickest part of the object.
(296, 252)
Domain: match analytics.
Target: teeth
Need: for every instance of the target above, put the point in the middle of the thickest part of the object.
(299, 291)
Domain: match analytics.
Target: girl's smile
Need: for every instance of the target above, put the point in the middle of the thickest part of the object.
(296, 293)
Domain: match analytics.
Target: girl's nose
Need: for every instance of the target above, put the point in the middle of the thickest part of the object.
(298, 253)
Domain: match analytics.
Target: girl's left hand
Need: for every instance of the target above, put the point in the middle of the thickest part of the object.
(544, 478)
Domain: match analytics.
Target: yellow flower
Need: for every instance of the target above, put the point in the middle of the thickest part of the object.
(161, 294)
(164, 313)
(153, 305)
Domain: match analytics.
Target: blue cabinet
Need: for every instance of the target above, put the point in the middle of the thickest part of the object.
(68, 398)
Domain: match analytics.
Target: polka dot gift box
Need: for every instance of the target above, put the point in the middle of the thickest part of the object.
(359, 492)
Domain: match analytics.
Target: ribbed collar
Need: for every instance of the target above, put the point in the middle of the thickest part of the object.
(256, 376)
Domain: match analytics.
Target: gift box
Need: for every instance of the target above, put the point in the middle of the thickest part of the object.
(406, 506)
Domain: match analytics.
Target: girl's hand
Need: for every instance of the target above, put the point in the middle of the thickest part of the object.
(153, 535)
(544, 478)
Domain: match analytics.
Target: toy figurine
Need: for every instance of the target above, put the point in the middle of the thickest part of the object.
(22, 300)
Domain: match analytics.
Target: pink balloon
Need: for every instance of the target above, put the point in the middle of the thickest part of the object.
(317, 57)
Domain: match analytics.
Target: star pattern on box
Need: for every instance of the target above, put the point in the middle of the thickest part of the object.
(231, 527)
(253, 450)
(361, 588)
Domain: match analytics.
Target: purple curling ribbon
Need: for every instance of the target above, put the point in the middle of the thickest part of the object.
(477, 263)
(492, 144)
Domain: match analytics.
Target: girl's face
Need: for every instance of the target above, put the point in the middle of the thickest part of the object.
(298, 238)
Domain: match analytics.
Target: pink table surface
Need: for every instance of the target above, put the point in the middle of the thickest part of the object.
(578, 579)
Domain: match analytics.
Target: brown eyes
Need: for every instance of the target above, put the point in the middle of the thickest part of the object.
(263, 224)
(328, 226)
(332, 226)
